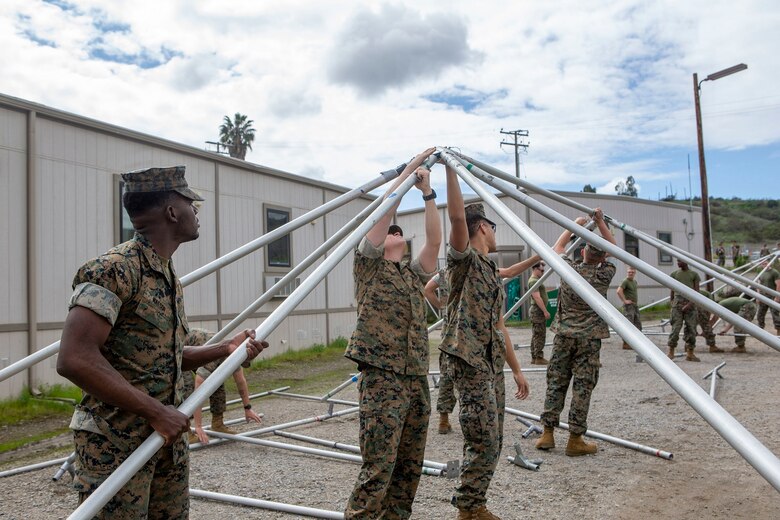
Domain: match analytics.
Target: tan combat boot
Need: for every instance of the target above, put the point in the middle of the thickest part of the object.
(192, 438)
(547, 440)
(218, 425)
(715, 350)
(444, 423)
(739, 349)
(690, 356)
(670, 355)
(482, 513)
(577, 446)
(626, 346)
(539, 361)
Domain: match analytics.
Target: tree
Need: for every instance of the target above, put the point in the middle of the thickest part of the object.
(589, 189)
(237, 135)
(627, 188)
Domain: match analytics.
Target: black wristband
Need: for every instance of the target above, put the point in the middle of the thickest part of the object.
(431, 196)
(248, 406)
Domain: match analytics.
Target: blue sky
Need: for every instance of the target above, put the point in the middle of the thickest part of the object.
(342, 93)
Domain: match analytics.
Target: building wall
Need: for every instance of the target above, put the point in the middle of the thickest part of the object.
(74, 164)
(648, 216)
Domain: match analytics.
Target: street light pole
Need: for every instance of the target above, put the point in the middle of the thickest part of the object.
(705, 198)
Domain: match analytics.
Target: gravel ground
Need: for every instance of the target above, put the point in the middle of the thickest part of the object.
(706, 479)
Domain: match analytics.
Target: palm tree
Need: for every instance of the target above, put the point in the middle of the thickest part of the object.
(237, 135)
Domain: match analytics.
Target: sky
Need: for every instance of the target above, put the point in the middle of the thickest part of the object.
(340, 91)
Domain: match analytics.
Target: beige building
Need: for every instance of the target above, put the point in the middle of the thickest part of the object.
(60, 198)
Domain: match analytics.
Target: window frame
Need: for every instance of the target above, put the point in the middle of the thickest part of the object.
(628, 247)
(277, 268)
(664, 258)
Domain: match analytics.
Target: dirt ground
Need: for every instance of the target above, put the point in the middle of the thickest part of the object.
(706, 479)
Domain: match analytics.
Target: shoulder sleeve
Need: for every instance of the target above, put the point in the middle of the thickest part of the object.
(368, 249)
(417, 269)
(98, 299)
(458, 255)
(102, 285)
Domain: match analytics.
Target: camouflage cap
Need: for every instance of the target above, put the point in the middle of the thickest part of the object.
(595, 251)
(476, 211)
(159, 179)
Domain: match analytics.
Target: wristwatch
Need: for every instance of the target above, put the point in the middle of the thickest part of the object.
(431, 196)
(248, 406)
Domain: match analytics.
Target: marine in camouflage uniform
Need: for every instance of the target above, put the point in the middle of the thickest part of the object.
(390, 346)
(771, 279)
(538, 319)
(703, 319)
(576, 347)
(744, 308)
(445, 403)
(684, 312)
(628, 292)
(136, 291)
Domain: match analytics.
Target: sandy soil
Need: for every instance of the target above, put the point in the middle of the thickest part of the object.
(706, 479)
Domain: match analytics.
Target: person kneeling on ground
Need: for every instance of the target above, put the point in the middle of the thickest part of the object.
(745, 309)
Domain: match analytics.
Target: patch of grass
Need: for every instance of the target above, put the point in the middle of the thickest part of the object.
(16, 443)
(520, 324)
(26, 407)
(315, 353)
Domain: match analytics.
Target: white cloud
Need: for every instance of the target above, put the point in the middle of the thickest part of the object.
(604, 89)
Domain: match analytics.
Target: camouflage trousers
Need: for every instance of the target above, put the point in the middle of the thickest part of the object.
(703, 318)
(160, 490)
(538, 337)
(482, 399)
(217, 400)
(761, 316)
(748, 311)
(394, 413)
(445, 403)
(577, 359)
(631, 312)
(678, 319)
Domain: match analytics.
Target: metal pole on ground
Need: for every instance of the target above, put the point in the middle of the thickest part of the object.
(95, 502)
(265, 504)
(251, 397)
(601, 436)
(715, 375)
(756, 454)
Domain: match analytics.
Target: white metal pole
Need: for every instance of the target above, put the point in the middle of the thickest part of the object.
(756, 454)
(265, 504)
(610, 248)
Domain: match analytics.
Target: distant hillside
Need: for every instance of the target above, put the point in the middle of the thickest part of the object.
(748, 221)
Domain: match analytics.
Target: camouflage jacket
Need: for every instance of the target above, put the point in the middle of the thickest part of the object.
(475, 304)
(391, 331)
(534, 311)
(575, 318)
(129, 287)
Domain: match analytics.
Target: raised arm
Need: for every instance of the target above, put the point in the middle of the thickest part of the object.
(430, 292)
(598, 216)
(429, 253)
(378, 233)
(515, 269)
(459, 232)
(563, 240)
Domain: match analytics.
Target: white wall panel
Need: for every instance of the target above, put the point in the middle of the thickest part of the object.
(13, 347)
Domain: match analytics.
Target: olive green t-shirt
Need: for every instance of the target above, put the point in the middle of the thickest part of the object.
(734, 304)
(542, 290)
(769, 278)
(630, 290)
(688, 277)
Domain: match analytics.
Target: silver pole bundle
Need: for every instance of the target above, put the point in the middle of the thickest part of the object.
(757, 455)
(265, 504)
(719, 273)
(604, 245)
(232, 256)
(100, 497)
(742, 293)
(601, 436)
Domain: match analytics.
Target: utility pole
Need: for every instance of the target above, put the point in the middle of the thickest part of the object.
(517, 145)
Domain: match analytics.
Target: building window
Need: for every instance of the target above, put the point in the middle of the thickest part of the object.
(126, 230)
(279, 252)
(663, 256)
(631, 244)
